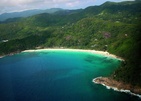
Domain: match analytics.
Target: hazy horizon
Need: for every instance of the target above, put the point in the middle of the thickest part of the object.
(7, 6)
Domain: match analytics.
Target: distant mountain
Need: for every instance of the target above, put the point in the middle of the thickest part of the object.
(49, 17)
(27, 13)
(68, 12)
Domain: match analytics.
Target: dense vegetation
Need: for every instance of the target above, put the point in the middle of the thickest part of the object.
(112, 27)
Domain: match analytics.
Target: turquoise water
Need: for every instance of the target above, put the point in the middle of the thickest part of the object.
(57, 76)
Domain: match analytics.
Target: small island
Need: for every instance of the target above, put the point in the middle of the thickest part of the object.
(118, 86)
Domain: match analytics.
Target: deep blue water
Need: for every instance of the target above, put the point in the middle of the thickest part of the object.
(57, 76)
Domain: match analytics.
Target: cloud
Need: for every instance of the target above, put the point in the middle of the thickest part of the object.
(16, 5)
(19, 5)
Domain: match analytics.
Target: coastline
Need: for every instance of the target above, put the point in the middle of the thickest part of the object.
(2, 56)
(107, 82)
(110, 83)
(107, 54)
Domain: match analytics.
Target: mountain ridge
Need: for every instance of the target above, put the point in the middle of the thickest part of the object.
(27, 13)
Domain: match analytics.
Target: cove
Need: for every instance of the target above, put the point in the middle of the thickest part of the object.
(57, 76)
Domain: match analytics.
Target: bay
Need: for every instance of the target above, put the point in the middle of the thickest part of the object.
(57, 76)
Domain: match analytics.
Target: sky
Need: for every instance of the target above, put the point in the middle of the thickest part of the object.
(21, 5)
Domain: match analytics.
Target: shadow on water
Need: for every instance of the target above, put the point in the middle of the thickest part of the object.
(17, 58)
(98, 59)
(92, 59)
(20, 57)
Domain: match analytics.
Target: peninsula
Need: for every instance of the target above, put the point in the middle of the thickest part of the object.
(118, 85)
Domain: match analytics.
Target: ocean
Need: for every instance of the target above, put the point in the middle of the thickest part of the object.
(57, 76)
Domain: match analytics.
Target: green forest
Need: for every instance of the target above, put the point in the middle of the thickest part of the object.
(112, 27)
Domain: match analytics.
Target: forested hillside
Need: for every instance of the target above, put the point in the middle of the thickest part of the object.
(112, 27)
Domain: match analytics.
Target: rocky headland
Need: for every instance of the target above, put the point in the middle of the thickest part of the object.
(118, 86)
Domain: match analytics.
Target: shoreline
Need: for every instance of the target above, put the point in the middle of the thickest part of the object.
(118, 86)
(107, 54)
(98, 80)
(10, 54)
(104, 53)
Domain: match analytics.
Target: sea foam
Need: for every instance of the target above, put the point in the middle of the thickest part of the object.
(116, 89)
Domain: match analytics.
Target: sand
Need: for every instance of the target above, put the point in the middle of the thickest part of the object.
(79, 50)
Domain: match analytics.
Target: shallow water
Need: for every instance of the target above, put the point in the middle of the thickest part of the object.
(57, 76)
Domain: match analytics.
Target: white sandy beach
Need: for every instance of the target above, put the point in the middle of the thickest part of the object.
(78, 50)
